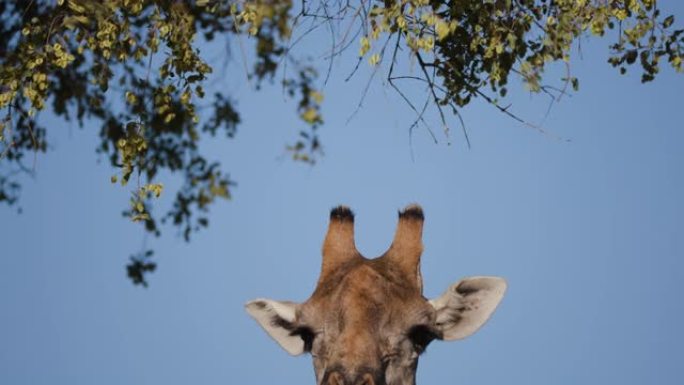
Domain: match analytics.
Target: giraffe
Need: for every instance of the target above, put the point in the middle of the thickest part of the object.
(367, 321)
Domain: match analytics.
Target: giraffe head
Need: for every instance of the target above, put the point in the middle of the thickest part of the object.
(367, 321)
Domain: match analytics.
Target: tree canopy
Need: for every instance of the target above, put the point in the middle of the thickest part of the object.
(135, 68)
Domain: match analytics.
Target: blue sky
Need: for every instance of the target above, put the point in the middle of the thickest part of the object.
(588, 231)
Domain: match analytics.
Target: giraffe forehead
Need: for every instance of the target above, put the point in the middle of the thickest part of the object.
(374, 275)
(365, 298)
(365, 286)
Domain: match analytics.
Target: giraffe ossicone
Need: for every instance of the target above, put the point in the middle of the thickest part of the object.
(367, 321)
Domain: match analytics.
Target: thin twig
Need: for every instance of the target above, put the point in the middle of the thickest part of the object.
(434, 94)
(419, 115)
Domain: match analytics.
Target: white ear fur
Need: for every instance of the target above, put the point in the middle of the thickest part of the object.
(467, 305)
(275, 317)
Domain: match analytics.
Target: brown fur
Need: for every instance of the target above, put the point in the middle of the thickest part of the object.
(361, 307)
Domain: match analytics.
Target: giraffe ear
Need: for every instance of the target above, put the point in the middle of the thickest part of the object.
(467, 305)
(277, 319)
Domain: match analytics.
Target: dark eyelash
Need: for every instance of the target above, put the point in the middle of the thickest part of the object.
(421, 336)
(306, 334)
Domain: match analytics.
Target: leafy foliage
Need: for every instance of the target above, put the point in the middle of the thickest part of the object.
(139, 266)
(135, 67)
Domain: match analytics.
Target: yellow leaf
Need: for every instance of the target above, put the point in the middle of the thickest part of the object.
(401, 22)
(316, 96)
(310, 115)
(76, 7)
(442, 29)
(374, 59)
(185, 97)
(365, 46)
(131, 98)
(164, 30)
(140, 217)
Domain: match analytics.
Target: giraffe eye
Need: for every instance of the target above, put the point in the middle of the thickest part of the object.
(306, 334)
(420, 336)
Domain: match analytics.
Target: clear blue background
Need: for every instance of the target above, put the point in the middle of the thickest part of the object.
(588, 232)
